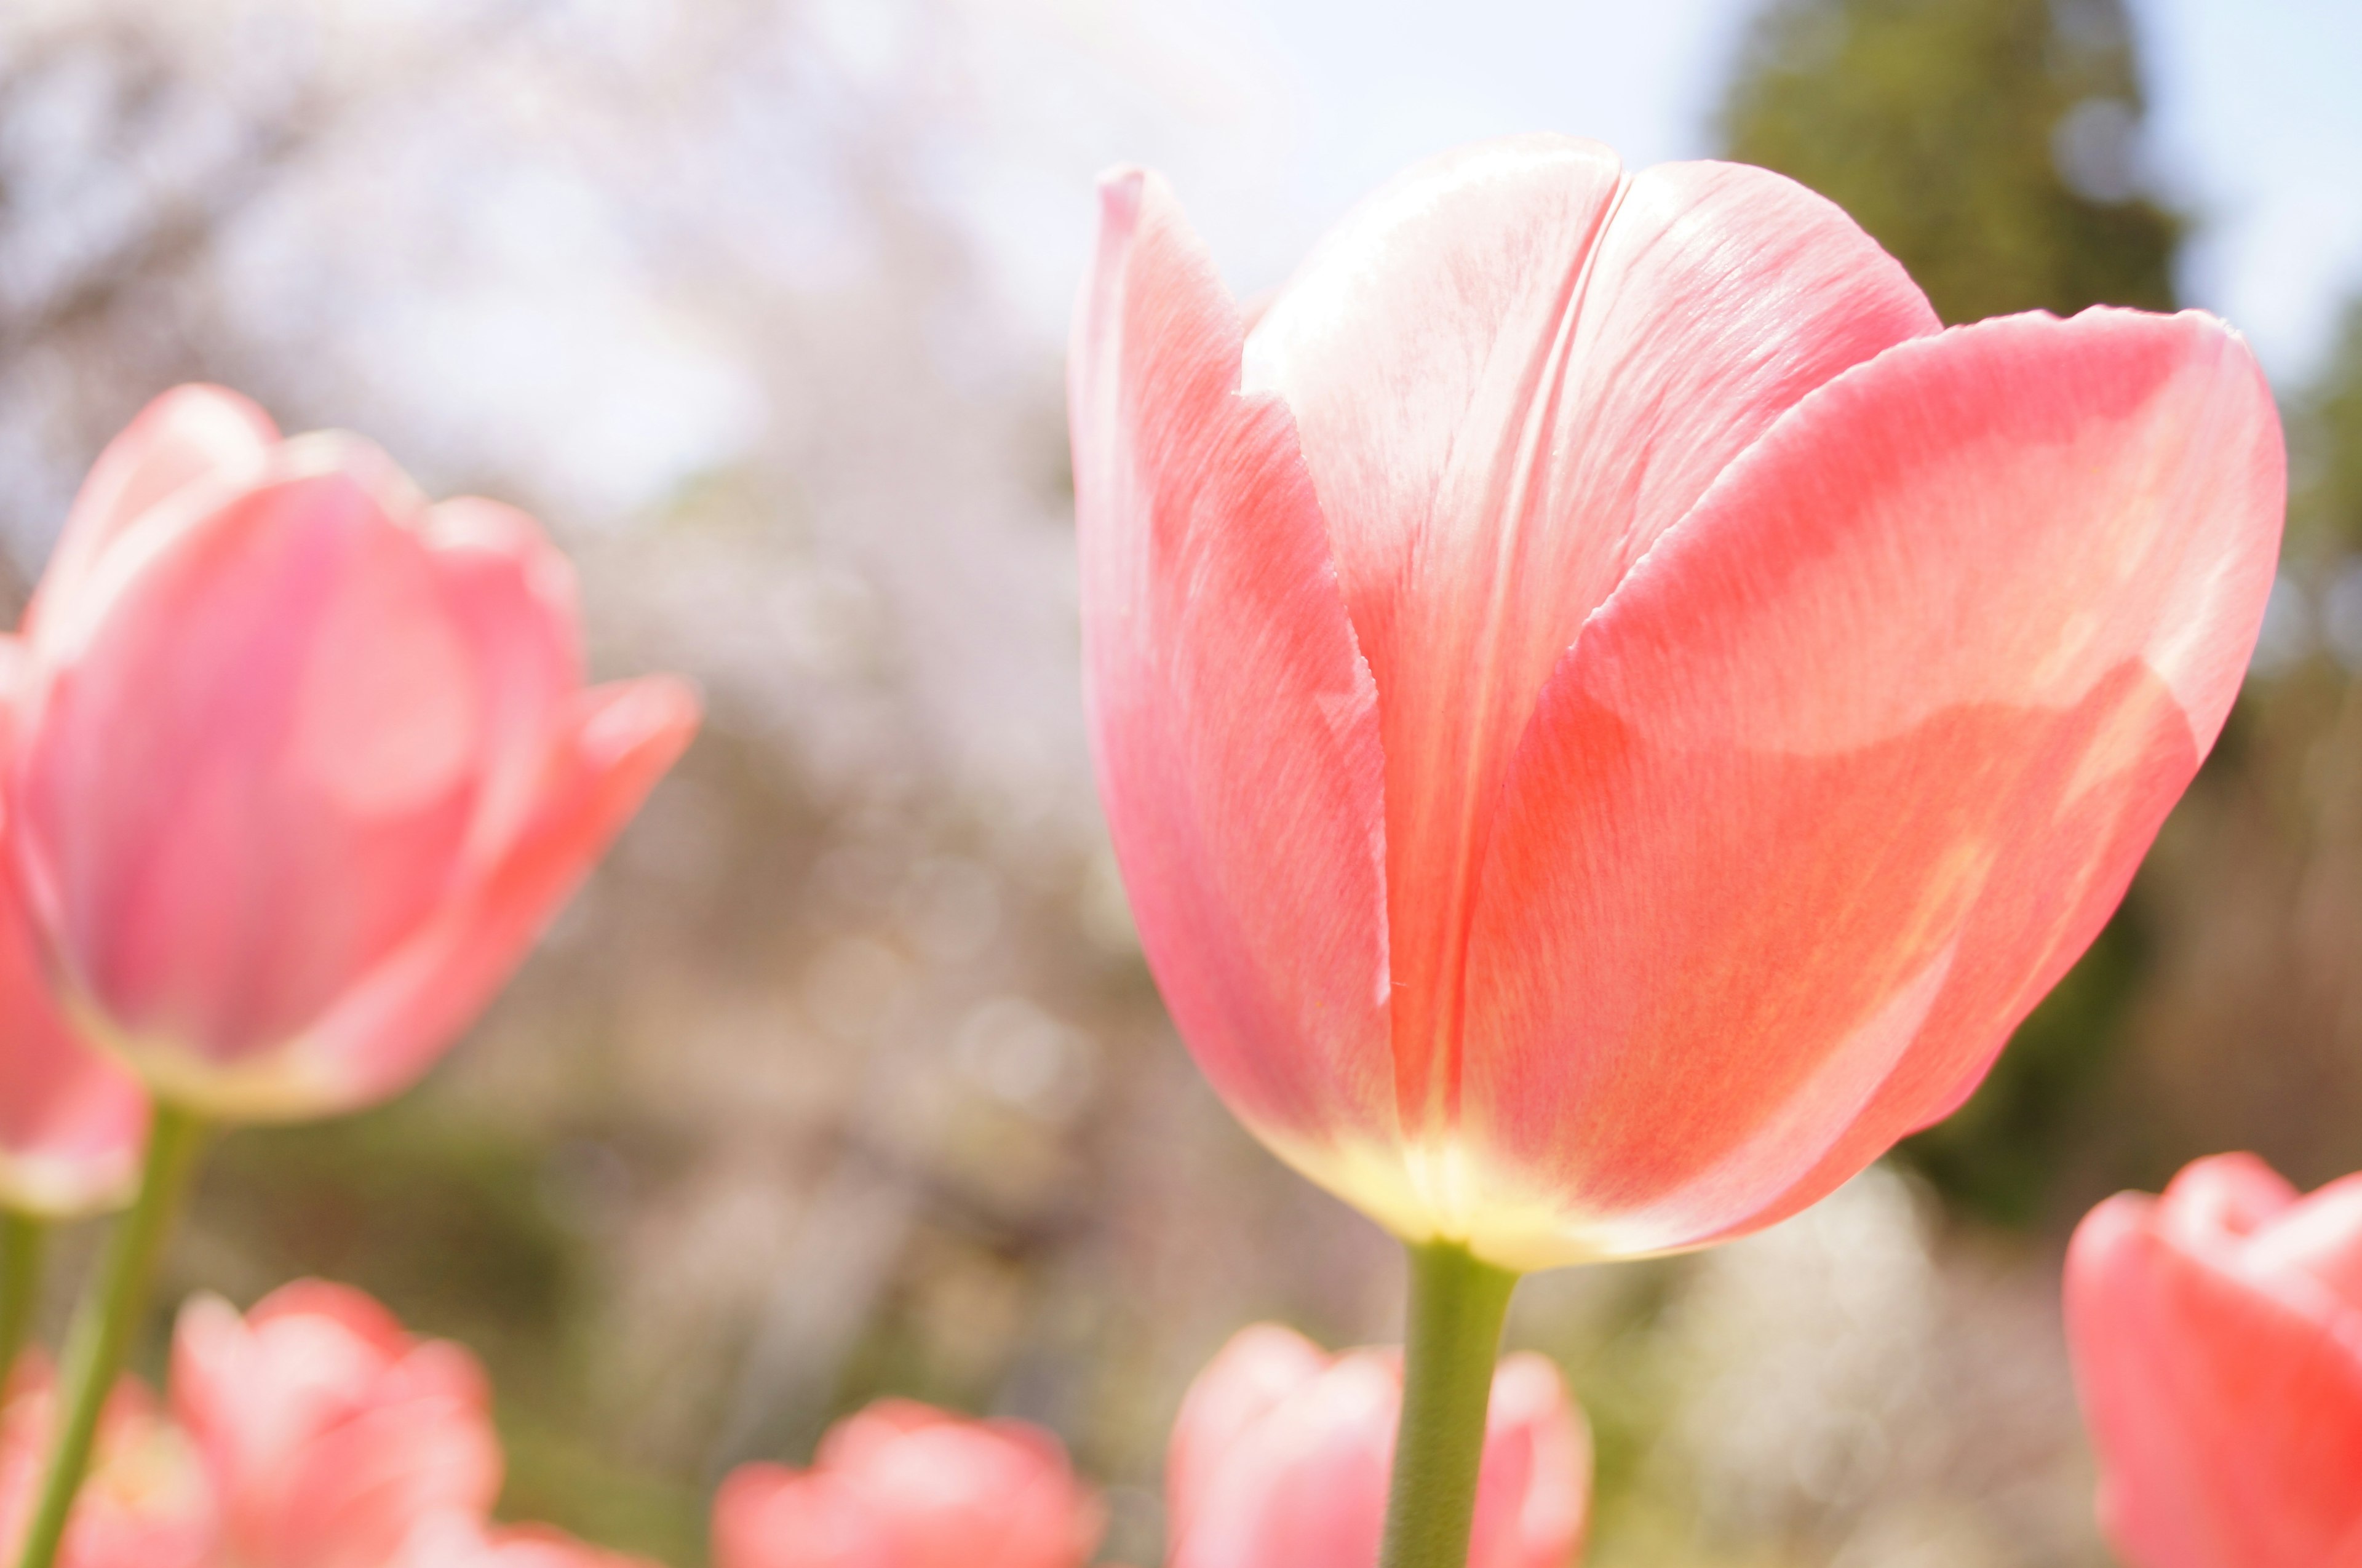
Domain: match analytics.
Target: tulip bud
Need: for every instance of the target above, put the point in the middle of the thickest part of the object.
(2217, 1341)
(1281, 1455)
(901, 1485)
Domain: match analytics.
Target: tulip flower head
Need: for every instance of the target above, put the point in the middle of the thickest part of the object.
(902, 1485)
(1281, 1453)
(306, 762)
(1608, 716)
(330, 1434)
(146, 1502)
(2217, 1341)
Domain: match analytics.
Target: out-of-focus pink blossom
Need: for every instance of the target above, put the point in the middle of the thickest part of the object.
(1607, 713)
(146, 1503)
(330, 1435)
(903, 1485)
(71, 1122)
(307, 762)
(1282, 1454)
(2217, 1342)
(462, 1540)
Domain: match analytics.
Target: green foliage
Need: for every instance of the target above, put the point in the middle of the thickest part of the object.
(1990, 145)
(2325, 453)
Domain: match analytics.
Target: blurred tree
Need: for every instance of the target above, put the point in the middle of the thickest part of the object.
(2325, 454)
(1995, 147)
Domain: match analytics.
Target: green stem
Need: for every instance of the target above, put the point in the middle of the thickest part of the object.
(109, 1316)
(1450, 1345)
(24, 1244)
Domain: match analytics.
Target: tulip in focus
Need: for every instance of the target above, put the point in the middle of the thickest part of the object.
(71, 1122)
(2217, 1341)
(330, 1435)
(146, 1503)
(1281, 1455)
(1608, 716)
(307, 762)
(902, 1485)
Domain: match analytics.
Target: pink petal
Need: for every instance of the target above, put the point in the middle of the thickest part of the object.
(2228, 1419)
(1262, 1366)
(613, 743)
(766, 1516)
(1514, 369)
(1307, 1484)
(1855, 765)
(1533, 1495)
(190, 440)
(1234, 724)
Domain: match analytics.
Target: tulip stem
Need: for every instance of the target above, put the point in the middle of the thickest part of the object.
(24, 1248)
(109, 1316)
(1449, 1346)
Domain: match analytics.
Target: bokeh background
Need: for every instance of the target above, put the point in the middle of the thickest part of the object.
(845, 1075)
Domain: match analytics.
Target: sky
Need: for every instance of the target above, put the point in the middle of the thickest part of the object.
(1272, 115)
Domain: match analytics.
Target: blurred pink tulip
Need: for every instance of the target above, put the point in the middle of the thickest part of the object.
(146, 1502)
(2217, 1340)
(330, 1434)
(1608, 717)
(462, 1541)
(1281, 1455)
(71, 1122)
(902, 1485)
(308, 762)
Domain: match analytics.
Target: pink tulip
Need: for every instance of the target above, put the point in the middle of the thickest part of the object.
(146, 1502)
(2217, 1341)
(901, 1485)
(308, 762)
(72, 1122)
(462, 1541)
(1281, 1455)
(330, 1434)
(1607, 715)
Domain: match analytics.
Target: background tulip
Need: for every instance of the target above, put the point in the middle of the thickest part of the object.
(147, 1504)
(330, 1434)
(71, 1121)
(1281, 1453)
(902, 1485)
(308, 762)
(1608, 716)
(2217, 1340)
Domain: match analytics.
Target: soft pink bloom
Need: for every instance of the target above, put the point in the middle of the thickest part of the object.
(2217, 1340)
(146, 1502)
(902, 1485)
(462, 1540)
(71, 1122)
(330, 1434)
(308, 761)
(1281, 1457)
(1609, 716)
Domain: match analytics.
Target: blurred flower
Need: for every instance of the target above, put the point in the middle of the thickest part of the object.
(2217, 1341)
(902, 1485)
(1281, 1455)
(145, 1503)
(1607, 715)
(329, 1433)
(308, 762)
(72, 1122)
(462, 1541)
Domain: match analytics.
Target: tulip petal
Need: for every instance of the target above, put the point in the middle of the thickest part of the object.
(1514, 369)
(613, 744)
(2231, 1418)
(1852, 768)
(1254, 1374)
(1234, 724)
(185, 439)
